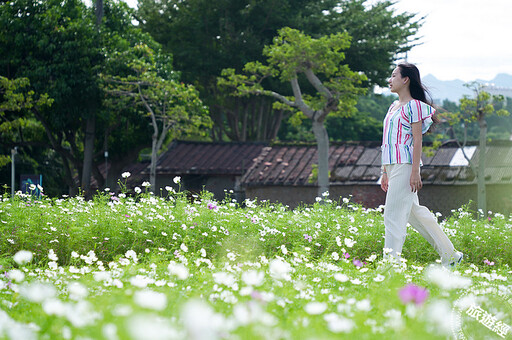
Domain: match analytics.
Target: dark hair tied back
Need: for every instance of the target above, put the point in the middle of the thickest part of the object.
(418, 90)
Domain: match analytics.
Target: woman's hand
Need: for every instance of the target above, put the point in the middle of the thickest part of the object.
(415, 181)
(384, 182)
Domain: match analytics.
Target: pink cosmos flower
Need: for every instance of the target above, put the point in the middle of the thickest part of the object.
(346, 255)
(413, 293)
(489, 263)
(212, 206)
(357, 263)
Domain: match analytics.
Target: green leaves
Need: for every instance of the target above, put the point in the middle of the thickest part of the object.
(293, 54)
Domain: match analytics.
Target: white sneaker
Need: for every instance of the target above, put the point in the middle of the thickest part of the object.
(458, 258)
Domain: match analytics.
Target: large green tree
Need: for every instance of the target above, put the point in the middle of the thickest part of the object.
(208, 36)
(172, 107)
(301, 61)
(477, 109)
(62, 47)
(54, 44)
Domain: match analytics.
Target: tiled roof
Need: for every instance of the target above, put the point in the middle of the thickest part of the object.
(204, 158)
(359, 163)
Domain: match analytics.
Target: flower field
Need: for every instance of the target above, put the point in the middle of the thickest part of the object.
(172, 267)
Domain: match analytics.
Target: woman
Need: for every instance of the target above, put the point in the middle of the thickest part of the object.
(407, 120)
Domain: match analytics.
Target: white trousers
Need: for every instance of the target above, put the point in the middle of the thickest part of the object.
(402, 206)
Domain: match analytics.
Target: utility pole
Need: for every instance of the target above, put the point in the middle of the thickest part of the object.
(13, 169)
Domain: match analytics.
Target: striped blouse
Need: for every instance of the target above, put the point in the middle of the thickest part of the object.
(397, 143)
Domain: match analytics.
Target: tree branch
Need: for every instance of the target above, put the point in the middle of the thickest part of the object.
(299, 102)
(317, 83)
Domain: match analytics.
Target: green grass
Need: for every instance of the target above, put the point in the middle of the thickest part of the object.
(97, 285)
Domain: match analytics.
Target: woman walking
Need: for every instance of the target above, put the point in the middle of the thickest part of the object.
(407, 120)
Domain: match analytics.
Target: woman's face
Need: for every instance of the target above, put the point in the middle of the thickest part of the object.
(396, 82)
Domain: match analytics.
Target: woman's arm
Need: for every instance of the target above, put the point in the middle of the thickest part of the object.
(417, 137)
(384, 181)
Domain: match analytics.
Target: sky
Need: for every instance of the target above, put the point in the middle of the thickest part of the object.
(460, 39)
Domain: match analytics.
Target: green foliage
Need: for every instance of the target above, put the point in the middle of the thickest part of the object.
(293, 53)
(207, 37)
(143, 266)
(175, 104)
(113, 223)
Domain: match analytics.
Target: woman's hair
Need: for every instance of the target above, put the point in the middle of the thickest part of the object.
(418, 90)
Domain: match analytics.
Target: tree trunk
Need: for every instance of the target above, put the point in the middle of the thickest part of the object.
(88, 155)
(99, 12)
(322, 141)
(481, 192)
(154, 152)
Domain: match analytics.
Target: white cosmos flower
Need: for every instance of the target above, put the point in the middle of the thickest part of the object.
(16, 275)
(224, 279)
(363, 305)
(109, 331)
(77, 291)
(141, 281)
(12, 329)
(446, 279)
(341, 277)
(37, 291)
(178, 269)
(32, 187)
(126, 174)
(177, 179)
(231, 256)
(439, 313)
(350, 242)
(81, 314)
(53, 306)
(154, 327)
(137, 190)
(335, 256)
(201, 322)
(338, 241)
(356, 281)
(338, 324)
(23, 257)
(184, 247)
(146, 184)
(131, 254)
(102, 276)
(253, 277)
(248, 313)
(280, 270)
(150, 299)
(315, 308)
(379, 278)
(52, 256)
(394, 319)
(372, 258)
(283, 249)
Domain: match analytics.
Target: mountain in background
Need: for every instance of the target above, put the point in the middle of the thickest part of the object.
(453, 90)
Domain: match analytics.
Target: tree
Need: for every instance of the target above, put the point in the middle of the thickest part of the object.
(90, 122)
(15, 97)
(477, 109)
(54, 44)
(173, 107)
(208, 36)
(292, 57)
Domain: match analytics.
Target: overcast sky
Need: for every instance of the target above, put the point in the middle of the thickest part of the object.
(461, 39)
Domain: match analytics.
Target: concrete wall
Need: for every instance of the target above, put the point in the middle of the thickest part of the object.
(438, 198)
(196, 183)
